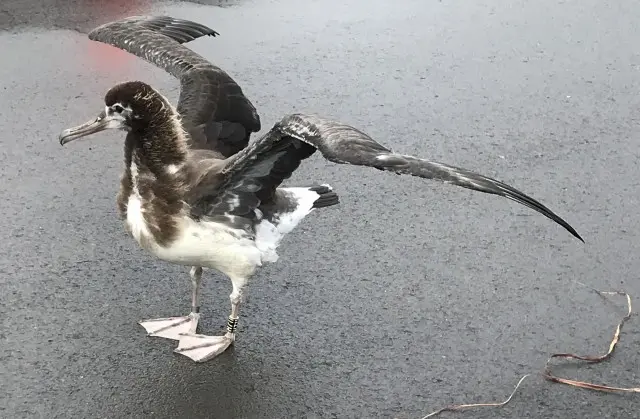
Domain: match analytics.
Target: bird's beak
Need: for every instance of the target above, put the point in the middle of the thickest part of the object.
(100, 123)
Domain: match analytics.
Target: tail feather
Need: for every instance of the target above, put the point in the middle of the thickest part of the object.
(327, 196)
(286, 212)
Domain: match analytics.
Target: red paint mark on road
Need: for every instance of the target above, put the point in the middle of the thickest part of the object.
(103, 58)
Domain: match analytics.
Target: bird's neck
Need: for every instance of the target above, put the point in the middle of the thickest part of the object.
(155, 157)
(158, 147)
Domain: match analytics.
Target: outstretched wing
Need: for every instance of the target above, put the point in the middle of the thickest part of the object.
(238, 194)
(213, 108)
(250, 177)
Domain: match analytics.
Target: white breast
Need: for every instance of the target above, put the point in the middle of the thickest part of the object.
(135, 210)
(135, 218)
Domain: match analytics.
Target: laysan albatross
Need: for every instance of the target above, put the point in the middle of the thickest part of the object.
(195, 192)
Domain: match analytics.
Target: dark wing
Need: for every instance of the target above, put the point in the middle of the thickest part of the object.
(250, 177)
(213, 108)
(248, 181)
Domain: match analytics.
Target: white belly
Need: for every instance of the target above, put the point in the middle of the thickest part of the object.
(199, 243)
(212, 245)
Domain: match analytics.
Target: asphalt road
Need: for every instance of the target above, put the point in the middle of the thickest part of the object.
(410, 295)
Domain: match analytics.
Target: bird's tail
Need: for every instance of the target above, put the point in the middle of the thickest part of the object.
(327, 196)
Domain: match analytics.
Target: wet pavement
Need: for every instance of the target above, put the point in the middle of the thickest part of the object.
(410, 295)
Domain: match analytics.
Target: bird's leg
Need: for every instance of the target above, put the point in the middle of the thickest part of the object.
(174, 327)
(196, 280)
(201, 348)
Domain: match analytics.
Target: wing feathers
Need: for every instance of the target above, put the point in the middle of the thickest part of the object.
(250, 178)
(155, 40)
(268, 161)
(207, 95)
(178, 29)
(344, 144)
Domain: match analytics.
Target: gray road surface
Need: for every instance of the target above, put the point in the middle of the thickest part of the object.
(409, 296)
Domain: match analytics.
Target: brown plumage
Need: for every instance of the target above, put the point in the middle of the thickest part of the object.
(197, 193)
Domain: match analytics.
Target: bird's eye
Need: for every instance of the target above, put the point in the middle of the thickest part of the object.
(118, 108)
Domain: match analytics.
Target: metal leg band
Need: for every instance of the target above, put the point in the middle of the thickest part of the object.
(232, 324)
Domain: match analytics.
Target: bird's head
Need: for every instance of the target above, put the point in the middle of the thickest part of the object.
(129, 106)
